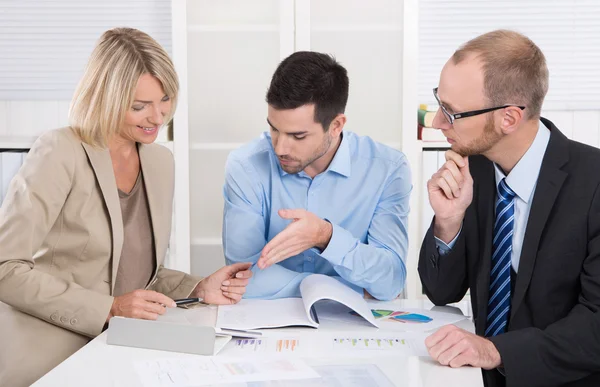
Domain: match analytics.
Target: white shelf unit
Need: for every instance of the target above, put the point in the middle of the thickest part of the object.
(434, 145)
(8, 142)
(226, 52)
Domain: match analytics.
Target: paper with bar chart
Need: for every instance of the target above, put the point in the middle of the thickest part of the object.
(266, 345)
(351, 346)
(333, 344)
(373, 344)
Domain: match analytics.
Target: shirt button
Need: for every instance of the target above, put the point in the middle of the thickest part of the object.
(63, 319)
(309, 259)
(74, 321)
(54, 317)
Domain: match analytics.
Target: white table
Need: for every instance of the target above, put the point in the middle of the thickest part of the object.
(100, 364)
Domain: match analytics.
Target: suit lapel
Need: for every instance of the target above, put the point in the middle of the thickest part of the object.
(485, 209)
(156, 199)
(105, 175)
(550, 181)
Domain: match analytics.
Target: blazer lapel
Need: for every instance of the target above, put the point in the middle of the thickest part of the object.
(156, 199)
(105, 175)
(550, 181)
(485, 209)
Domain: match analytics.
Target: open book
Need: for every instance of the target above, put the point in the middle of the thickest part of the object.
(284, 312)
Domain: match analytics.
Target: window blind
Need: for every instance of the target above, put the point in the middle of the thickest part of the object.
(567, 31)
(45, 44)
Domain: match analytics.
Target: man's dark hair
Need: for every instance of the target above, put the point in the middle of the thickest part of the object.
(307, 77)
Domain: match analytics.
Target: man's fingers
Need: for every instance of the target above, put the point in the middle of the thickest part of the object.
(276, 241)
(284, 245)
(452, 183)
(151, 295)
(443, 184)
(290, 251)
(451, 339)
(449, 354)
(437, 350)
(439, 335)
(458, 159)
(456, 173)
(460, 361)
(282, 241)
(433, 339)
(291, 213)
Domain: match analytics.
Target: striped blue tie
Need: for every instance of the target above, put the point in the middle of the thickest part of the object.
(499, 303)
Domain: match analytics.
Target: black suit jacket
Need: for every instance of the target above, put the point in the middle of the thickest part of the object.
(553, 336)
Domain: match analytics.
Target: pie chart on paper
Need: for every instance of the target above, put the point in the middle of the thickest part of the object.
(399, 316)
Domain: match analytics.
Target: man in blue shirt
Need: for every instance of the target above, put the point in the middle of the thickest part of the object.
(308, 197)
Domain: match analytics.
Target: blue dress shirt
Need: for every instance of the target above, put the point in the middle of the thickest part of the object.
(522, 179)
(364, 194)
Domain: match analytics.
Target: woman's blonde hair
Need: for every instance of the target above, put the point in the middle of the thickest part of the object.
(106, 90)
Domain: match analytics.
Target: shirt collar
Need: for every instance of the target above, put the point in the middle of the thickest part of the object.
(523, 177)
(341, 163)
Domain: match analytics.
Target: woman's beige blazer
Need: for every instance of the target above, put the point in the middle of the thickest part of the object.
(61, 235)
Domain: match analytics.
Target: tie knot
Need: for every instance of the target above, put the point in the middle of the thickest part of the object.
(504, 191)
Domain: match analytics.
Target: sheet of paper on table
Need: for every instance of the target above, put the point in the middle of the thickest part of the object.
(204, 371)
(338, 345)
(332, 376)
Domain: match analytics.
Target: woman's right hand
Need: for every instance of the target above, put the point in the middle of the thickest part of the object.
(142, 304)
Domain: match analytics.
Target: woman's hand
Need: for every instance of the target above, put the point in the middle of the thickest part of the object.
(142, 304)
(225, 286)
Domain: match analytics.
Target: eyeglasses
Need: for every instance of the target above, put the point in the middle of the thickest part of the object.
(451, 117)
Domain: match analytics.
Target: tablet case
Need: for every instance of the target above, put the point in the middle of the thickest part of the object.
(165, 336)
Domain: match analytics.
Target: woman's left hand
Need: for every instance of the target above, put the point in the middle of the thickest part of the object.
(226, 285)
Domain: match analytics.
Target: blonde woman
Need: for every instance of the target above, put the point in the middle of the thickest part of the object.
(85, 226)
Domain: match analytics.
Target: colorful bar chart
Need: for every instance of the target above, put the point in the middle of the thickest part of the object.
(250, 345)
(287, 345)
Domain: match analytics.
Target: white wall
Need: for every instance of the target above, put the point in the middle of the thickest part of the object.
(30, 118)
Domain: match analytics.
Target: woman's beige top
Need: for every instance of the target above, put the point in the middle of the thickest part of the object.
(137, 263)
